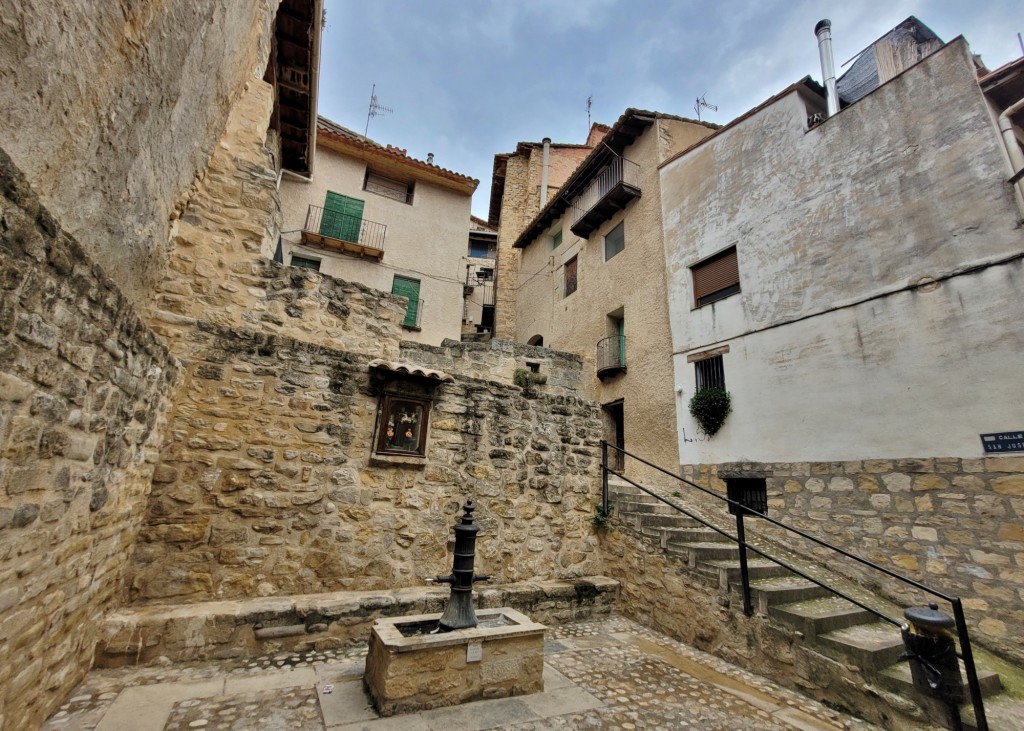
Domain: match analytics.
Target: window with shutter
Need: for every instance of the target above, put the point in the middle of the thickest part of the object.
(408, 288)
(342, 218)
(394, 189)
(570, 276)
(303, 262)
(614, 242)
(716, 278)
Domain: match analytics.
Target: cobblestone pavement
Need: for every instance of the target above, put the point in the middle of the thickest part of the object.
(607, 674)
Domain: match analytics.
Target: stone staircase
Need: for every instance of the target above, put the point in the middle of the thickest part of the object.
(834, 626)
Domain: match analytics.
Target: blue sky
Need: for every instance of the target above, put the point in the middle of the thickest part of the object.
(469, 78)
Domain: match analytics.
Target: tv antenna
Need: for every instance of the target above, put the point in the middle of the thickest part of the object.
(702, 104)
(590, 103)
(376, 109)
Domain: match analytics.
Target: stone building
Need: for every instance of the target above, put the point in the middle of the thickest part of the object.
(592, 279)
(371, 214)
(521, 184)
(847, 281)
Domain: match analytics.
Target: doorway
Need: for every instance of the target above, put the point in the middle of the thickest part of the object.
(615, 433)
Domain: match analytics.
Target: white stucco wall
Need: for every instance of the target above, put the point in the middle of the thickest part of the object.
(425, 240)
(905, 186)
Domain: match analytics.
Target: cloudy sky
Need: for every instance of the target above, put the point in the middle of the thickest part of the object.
(470, 78)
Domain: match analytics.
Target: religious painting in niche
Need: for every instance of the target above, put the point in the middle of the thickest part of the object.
(403, 425)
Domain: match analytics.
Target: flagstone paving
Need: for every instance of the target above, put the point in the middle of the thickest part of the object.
(610, 674)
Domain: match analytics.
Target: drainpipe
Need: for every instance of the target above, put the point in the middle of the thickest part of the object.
(828, 70)
(544, 173)
(1013, 149)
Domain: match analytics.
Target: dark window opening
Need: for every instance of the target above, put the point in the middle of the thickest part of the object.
(710, 373)
(570, 276)
(614, 241)
(716, 278)
(303, 262)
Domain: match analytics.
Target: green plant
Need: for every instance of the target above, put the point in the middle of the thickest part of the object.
(710, 407)
(601, 518)
(527, 379)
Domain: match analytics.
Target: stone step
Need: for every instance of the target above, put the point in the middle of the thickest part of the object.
(818, 616)
(664, 521)
(633, 508)
(728, 572)
(697, 552)
(898, 677)
(697, 534)
(783, 590)
(871, 646)
(635, 496)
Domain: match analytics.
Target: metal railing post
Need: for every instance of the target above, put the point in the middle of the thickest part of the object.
(748, 607)
(604, 477)
(981, 723)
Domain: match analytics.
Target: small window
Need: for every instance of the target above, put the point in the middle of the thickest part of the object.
(570, 276)
(388, 187)
(303, 262)
(480, 249)
(556, 240)
(409, 288)
(402, 428)
(485, 274)
(614, 241)
(710, 373)
(716, 278)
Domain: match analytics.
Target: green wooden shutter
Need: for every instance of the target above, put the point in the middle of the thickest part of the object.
(408, 288)
(622, 342)
(343, 217)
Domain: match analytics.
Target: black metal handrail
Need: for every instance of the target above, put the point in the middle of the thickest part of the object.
(966, 654)
(345, 227)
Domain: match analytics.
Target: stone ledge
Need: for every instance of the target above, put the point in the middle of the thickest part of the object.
(226, 629)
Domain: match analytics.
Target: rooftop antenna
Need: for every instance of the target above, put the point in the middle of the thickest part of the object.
(376, 109)
(702, 104)
(590, 103)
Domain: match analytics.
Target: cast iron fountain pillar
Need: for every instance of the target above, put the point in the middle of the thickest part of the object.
(459, 614)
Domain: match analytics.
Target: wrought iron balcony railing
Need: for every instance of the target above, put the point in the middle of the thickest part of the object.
(611, 356)
(610, 191)
(344, 233)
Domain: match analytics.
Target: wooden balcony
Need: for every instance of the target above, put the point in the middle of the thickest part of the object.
(343, 233)
(610, 191)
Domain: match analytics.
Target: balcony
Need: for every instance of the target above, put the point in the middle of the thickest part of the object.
(610, 191)
(344, 233)
(611, 356)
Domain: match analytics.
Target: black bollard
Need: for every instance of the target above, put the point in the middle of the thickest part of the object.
(459, 613)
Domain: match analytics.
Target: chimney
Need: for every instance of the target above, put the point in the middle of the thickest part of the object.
(430, 158)
(544, 173)
(823, 30)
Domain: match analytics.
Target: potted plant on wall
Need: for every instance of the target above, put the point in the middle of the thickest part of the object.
(710, 407)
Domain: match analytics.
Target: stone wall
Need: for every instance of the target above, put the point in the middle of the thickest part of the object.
(113, 106)
(267, 484)
(956, 525)
(83, 387)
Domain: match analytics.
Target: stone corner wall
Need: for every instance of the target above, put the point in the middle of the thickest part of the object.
(83, 389)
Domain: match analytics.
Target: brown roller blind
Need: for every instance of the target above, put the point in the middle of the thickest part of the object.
(570, 276)
(717, 273)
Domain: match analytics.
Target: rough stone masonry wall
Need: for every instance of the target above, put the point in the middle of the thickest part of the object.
(113, 106)
(266, 484)
(83, 385)
(219, 273)
(953, 524)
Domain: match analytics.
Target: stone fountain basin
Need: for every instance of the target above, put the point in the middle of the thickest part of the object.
(409, 671)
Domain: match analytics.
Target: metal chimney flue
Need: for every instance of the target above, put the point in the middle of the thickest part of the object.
(545, 163)
(823, 30)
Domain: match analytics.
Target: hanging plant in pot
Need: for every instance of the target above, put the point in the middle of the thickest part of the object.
(710, 407)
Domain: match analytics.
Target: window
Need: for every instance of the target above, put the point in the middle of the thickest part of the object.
(403, 425)
(570, 276)
(614, 241)
(409, 288)
(716, 278)
(710, 373)
(556, 240)
(387, 187)
(303, 262)
(479, 249)
(342, 217)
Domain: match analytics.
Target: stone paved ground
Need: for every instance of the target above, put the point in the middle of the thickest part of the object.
(608, 674)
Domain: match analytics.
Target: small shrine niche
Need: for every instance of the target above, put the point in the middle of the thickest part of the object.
(403, 413)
